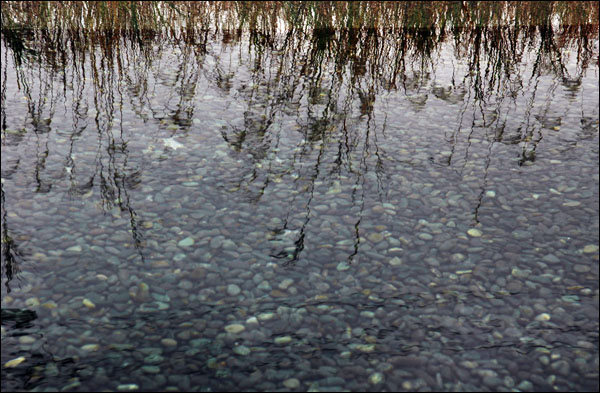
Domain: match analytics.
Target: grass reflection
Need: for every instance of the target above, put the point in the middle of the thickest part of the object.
(326, 64)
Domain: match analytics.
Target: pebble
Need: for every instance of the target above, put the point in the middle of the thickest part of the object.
(235, 328)
(168, 342)
(143, 293)
(543, 317)
(186, 284)
(474, 232)
(343, 266)
(291, 383)
(233, 290)
(154, 358)
(570, 298)
(375, 237)
(562, 367)
(590, 248)
(241, 350)
(188, 241)
(15, 362)
(90, 347)
(525, 385)
(518, 273)
(151, 369)
(266, 316)
(88, 303)
(26, 340)
(32, 302)
(376, 378)
(285, 284)
(50, 304)
(521, 235)
(457, 257)
(550, 258)
(365, 347)
(127, 387)
(76, 248)
(395, 261)
(283, 340)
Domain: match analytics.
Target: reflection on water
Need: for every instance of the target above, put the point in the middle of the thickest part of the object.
(300, 196)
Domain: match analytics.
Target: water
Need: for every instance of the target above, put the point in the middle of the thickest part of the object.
(370, 204)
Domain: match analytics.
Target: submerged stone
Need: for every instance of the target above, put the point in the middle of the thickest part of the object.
(88, 303)
(474, 232)
(376, 378)
(241, 350)
(234, 328)
(188, 241)
(590, 248)
(283, 340)
(291, 383)
(15, 362)
(233, 290)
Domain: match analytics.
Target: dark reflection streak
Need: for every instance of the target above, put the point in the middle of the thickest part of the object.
(356, 243)
(10, 251)
(320, 128)
(4, 78)
(188, 94)
(274, 107)
(106, 107)
(527, 119)
(360, 179)
(135, 231)
(546, 44)
(469, 143)
(361, 176)
(529, 155)
(334, 92)
(137, 81)
(106, 191)
(476, 84)
(261, 130)
(299, 243)
(176, 92)
(488, 157)
(75, 189)
(379, 166)
(460, 118)
(488, 160)
(41, 157)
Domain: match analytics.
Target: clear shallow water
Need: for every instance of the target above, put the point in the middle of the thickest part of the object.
(319, 210)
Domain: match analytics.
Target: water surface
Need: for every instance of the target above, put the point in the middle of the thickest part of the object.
(267, 196)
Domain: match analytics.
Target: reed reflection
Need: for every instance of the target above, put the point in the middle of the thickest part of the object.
(324, 70)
